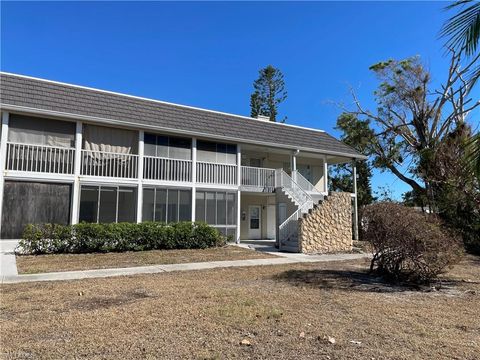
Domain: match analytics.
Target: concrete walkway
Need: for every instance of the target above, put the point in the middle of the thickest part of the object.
(8, 264)
(284, 258)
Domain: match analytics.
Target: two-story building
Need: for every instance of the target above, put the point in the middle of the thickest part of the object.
(70, 154)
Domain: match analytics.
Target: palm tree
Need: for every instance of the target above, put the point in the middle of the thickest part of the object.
(463, 33)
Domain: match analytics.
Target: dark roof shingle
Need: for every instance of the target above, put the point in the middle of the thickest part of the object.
(51, 96)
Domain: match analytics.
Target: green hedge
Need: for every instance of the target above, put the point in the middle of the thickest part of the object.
(117, 237)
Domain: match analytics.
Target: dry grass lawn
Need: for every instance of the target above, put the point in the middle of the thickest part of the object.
(31, 264)
(286, 312)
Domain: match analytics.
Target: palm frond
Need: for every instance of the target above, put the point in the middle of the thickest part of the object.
(463, 29)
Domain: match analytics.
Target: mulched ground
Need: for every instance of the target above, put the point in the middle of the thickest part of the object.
(31, 264)
(302, 311)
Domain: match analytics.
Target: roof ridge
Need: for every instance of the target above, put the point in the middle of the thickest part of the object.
(157, 101)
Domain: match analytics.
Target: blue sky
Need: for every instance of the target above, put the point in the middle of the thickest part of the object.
(208, 54)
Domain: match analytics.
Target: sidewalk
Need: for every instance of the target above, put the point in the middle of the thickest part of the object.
(11, 276)
(8, 264)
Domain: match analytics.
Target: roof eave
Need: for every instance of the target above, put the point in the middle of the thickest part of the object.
(107, 121)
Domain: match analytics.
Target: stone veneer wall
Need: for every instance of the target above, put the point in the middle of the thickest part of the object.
(327, 227)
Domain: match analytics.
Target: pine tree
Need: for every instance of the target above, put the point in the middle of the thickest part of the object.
(268, 94)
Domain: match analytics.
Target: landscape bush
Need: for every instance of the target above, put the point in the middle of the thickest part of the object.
(409, 245)
(117, 237)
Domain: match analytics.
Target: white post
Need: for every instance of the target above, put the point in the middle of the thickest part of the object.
(294, 165)
(355, 202)
(239, 182)
(194, 177)
(141, 146)
(325, 175)
(76, 173)
(3, 157)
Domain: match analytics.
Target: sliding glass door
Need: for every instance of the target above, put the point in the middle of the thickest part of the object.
(166, 205)
(107, 204)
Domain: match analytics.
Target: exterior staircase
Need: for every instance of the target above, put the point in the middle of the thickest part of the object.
(305, 196)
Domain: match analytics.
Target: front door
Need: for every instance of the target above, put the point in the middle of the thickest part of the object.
(254, 222)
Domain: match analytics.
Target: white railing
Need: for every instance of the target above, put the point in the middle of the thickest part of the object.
(40, 158)
(288, 185)
(157, 168)
(289, 227)
(304, 183)
(102, 163)
(212, 173)
(258, 177)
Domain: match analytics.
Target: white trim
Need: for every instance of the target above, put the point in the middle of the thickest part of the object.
(161, 183)
(107, 180)
(355, 201)
(141, 147)
(153, 100)
(194, 177)
(239, 183)
(136, 126)
(3, 158)
(325, 175)
(38, 176)
(75, 211)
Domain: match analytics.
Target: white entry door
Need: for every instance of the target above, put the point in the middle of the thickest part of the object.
(254, 222)
(271, 222)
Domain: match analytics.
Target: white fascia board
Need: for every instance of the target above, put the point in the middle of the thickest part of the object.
(136, 126)
(38, 176)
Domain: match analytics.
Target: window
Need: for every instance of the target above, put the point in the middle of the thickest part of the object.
(221, 208)
(127, 204)
(106, 204)
(40, 131)
(216, 152)
(172, 210)
(217, 209)
(160, 205)
(210, 210)
(166, 205)
(168, 147)
(89, 203)
(184, 206)
(107, 212)
(148, 204)
(200, 206)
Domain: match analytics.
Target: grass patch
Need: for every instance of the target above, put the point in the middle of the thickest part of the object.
(285, 311)
(32, 264)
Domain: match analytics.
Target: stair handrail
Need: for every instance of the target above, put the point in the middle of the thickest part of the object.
(305, 184)
(285, 229)
(284, 176)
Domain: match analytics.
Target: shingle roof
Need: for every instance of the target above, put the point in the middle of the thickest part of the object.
(18, 91)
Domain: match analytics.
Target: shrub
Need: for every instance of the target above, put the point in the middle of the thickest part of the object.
(408, 244)
(117, 237)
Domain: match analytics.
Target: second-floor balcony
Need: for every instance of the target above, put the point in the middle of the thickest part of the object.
(61, 160)
(101, 164)
(40, 158)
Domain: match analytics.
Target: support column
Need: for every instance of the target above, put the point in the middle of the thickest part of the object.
(76, 173)
(3, 157)
(239, 183)
(294, 165)
(194, 177)
(355, 202)
(325, 175)
(141, 147)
